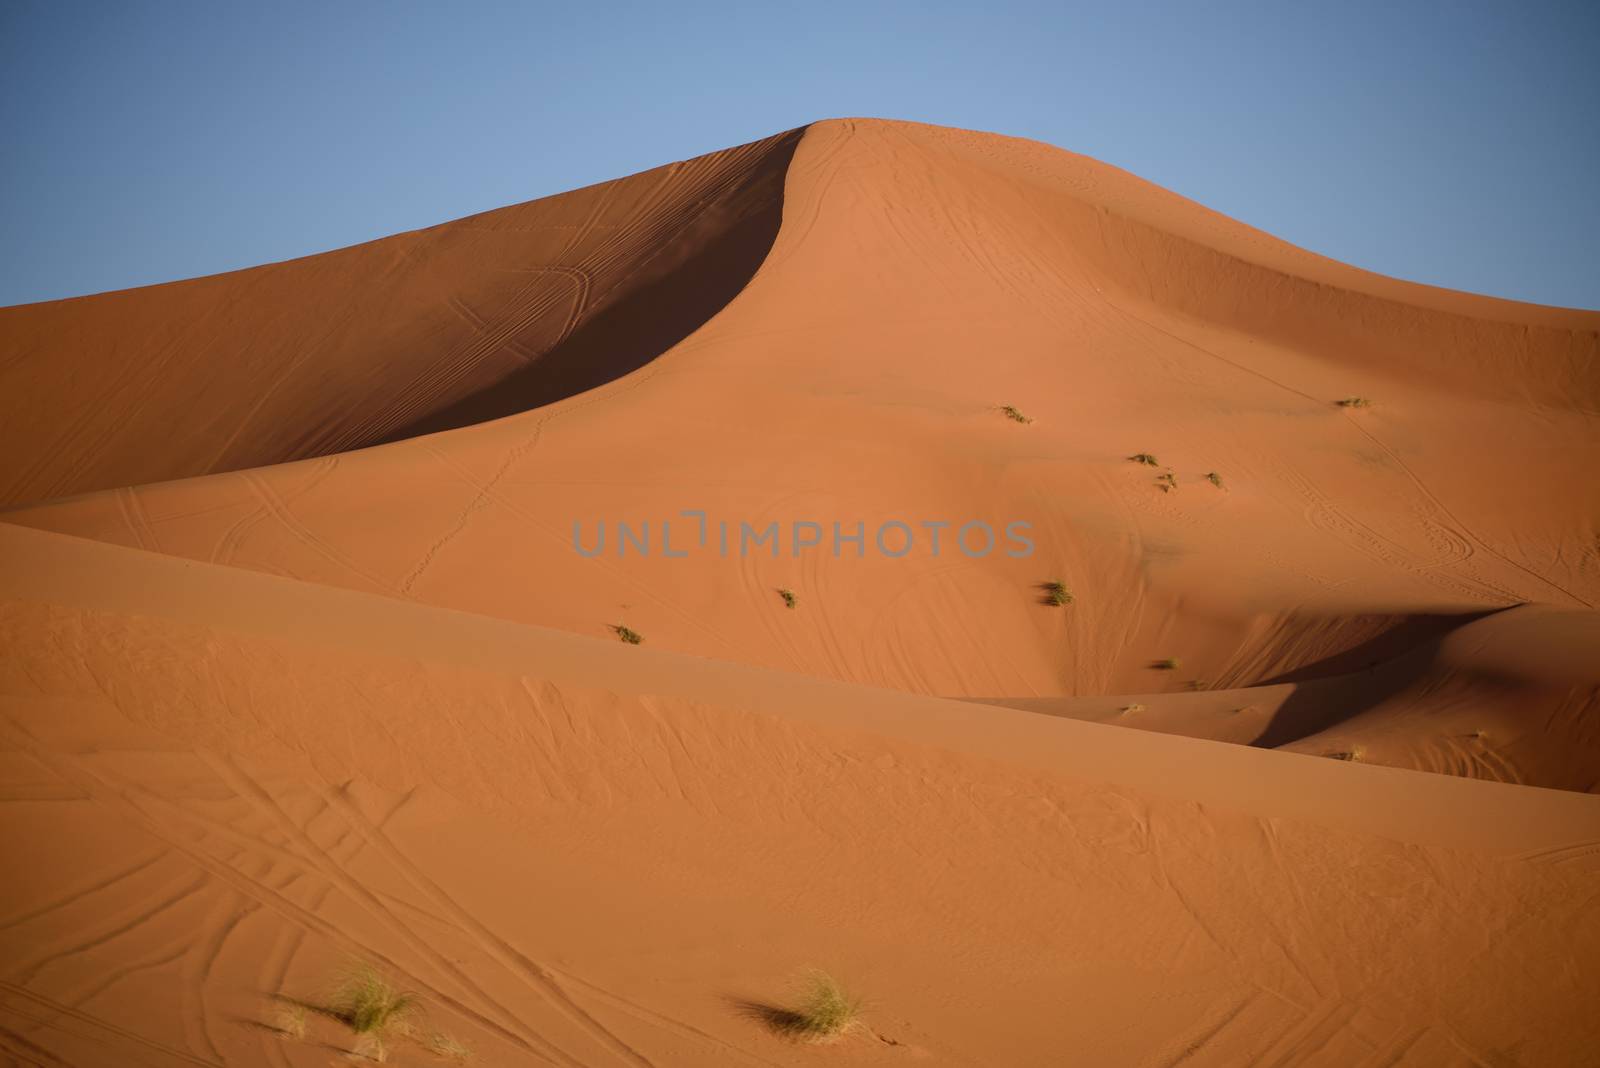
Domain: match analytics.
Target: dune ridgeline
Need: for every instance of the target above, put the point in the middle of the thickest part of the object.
(881, 594)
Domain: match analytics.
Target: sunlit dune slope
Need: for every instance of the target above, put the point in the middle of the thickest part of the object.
(473, 319)
(921, 279)
(577, 852)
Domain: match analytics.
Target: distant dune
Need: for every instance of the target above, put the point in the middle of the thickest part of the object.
(308, 658)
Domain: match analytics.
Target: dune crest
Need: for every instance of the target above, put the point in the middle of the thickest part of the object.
(312, 662)
(921, 279)
(469, 320)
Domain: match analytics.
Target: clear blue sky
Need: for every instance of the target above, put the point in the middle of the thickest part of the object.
(1451, 143)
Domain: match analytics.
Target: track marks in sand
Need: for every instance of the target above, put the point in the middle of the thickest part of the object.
(242, 874)
(1263, 1030)
(535, 976)
(1579, 856)
(475, 1001)
(1325, 515)
(484, 495)
(279, 510)
(43, 1011)
(1454, 523)
(224, 868)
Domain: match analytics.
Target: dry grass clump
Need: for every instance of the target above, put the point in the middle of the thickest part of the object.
(1012, 414)
(628, 634)
(788, 597)
(448, 1047)
(824, 1011)
(1145, 458)
(1056, 593)
(1354, 402)
(290, 1019)
(1170, 663)
(374, 1008)
(1214, 478)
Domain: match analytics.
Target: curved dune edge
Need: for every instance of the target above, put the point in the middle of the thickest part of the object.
(920, 279)
(584, 853)
(468, 320)
(1512, 697)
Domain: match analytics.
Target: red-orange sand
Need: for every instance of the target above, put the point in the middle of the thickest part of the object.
(299, 665)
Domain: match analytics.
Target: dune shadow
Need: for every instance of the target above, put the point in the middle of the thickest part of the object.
(670, 296)
(780, 1021)
(1409, 633)
(1338, 688)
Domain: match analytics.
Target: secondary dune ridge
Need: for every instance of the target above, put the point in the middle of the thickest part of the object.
(302, 665)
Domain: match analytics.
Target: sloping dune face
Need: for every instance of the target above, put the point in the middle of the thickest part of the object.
(228, 785)
(474, 319)
(921, 280)
(312, 579)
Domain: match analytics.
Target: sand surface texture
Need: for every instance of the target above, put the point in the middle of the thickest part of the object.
(300, 667)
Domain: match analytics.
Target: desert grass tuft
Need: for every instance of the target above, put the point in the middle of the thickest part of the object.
(826, 1011)
(1167, 481)
(368, 1003)
(1170, 663)
(1145, 458)
(1056, 593)
(1013, 414)
(628, 634)
(290, 1019)
(1354, 402)
(1135, 707)
(788, 597)
(1214, 478)
(448, 1047)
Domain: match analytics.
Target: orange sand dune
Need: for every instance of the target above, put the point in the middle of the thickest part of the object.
(303, 661)
(582, 853)
(474, 319)
(1512, 697)
(921, 278)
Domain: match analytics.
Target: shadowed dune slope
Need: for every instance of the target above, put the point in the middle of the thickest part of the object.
(1513, 697)
(472, 319)
(583, 853)
(921, 278)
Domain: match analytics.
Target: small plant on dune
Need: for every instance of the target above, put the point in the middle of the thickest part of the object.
(1013, 414)
(1057, 593)
(628, 634)
(826, 1010)
(1167, 481)
(1354, 402)
(448, 1047)
(1131, 708)
(1170, 663)
(1214, 478)
(374, 1008)
(1353, 753)
(291, 1018)
(1145, 458)
(788, 597)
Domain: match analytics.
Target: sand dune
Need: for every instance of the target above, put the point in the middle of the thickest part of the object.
(265, 777)
(473, 319)
(303, 662)
(922, 278)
